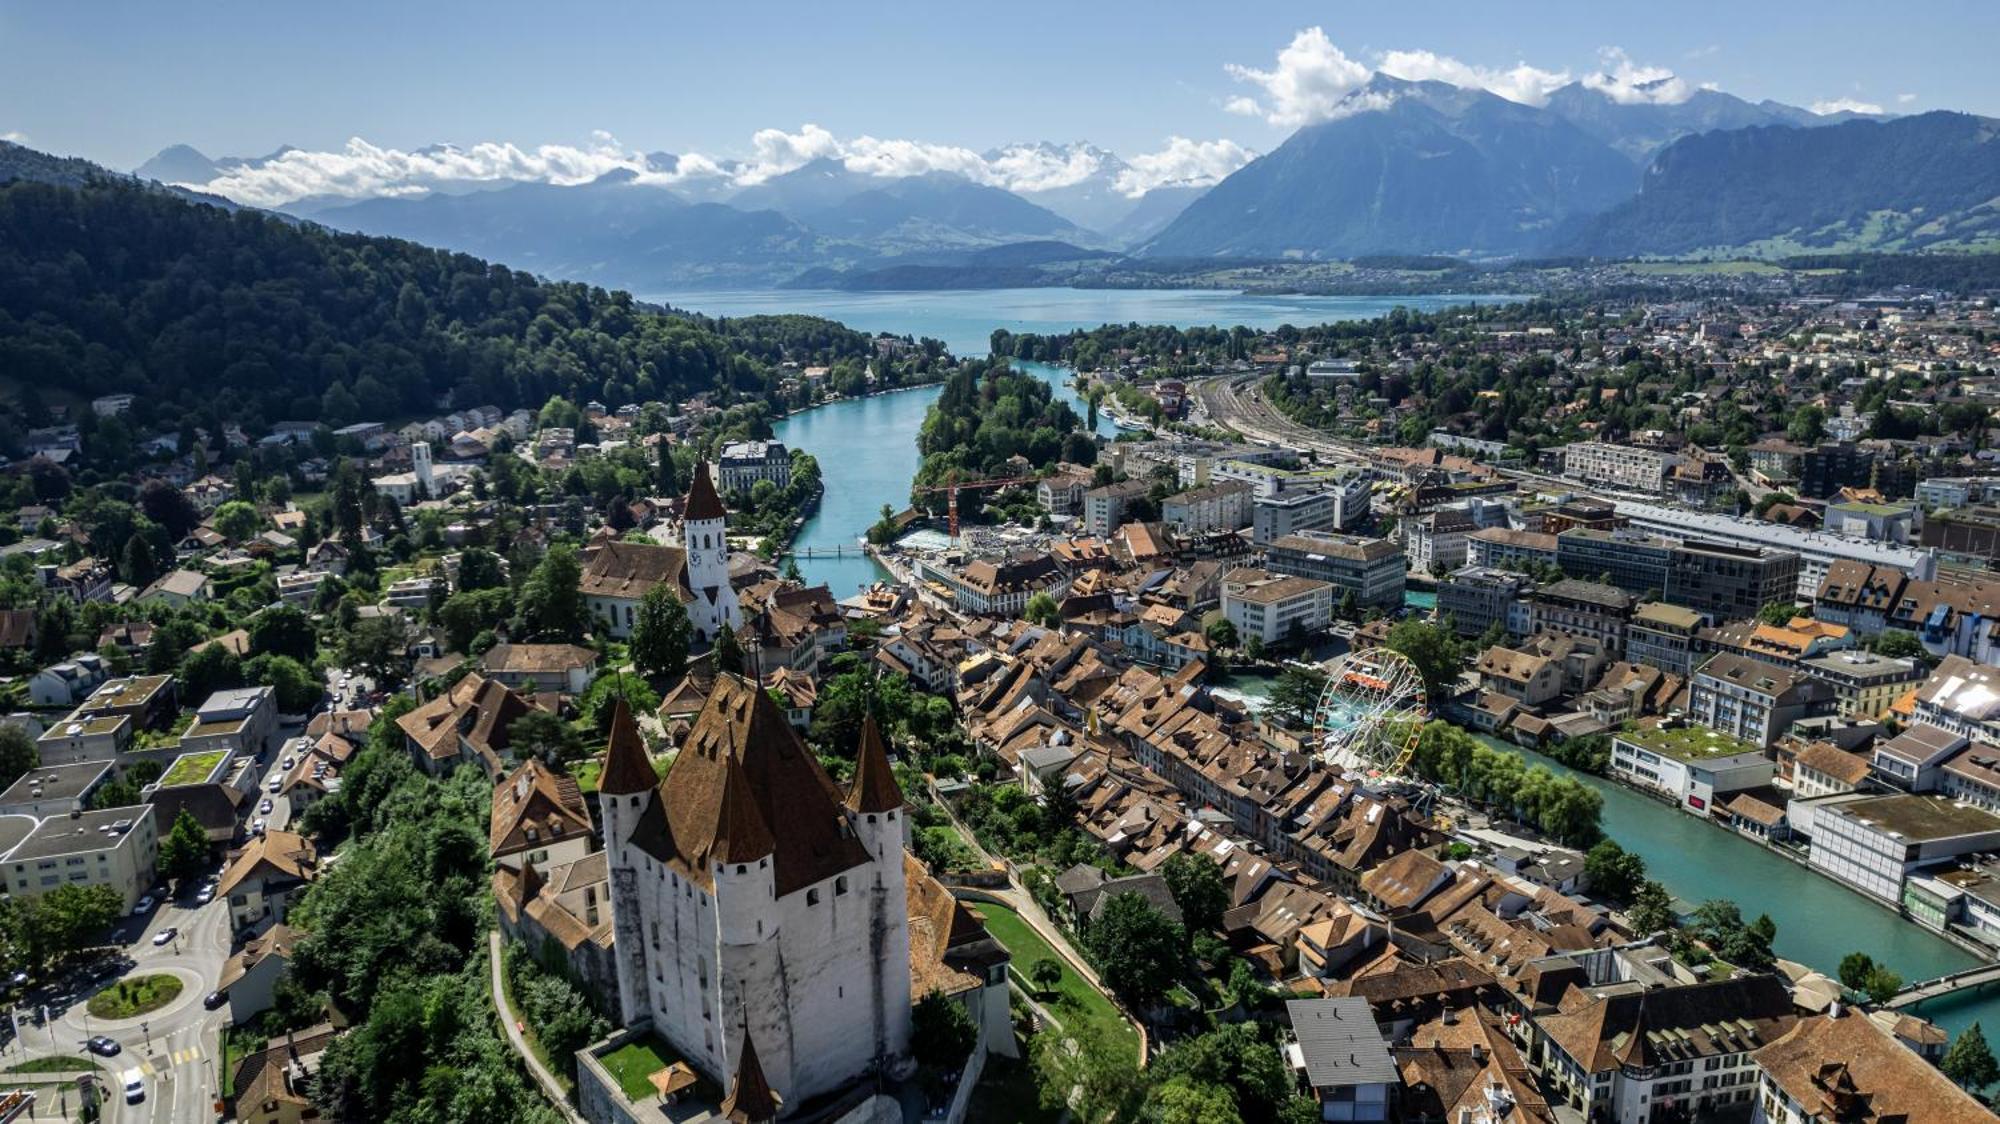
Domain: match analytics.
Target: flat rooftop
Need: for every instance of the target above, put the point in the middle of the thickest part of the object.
(135, 691)
(87, 726)
(55, 782)
(1919, 818)
(193, 768)
(88, 831)
(1687, 743)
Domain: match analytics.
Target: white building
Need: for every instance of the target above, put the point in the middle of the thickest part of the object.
(1274, 607)
(1816, 550)
(1218, 507)
(750, 895)
(420, 483)
(742, 463)
(1618, 466)
(115, 847)
(620, 574)
(1874, 843)
(1691, 766)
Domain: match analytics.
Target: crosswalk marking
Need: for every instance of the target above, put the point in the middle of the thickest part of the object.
(178, 1057)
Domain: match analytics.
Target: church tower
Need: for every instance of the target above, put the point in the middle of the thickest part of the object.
(707, 546)
(627, 792)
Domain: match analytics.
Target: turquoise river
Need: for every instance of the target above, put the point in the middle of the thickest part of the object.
(867, 453)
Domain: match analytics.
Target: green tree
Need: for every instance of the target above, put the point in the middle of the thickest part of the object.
(297, 689)
(942, 1035)
(373, 646)
(1221, 633)
(17, 754)
(1196, 884)
(1137, 948)
(1295, 695)
(1652, 909)
(728, 653)
(1084, 1070)
(1181, 1100)
(1854, 969)
(478, 569)
(552, 604)
(1898, 644)
(660, 636)
(1881, 984)
(600, 701)
(1615, 874)
(544, 734)
(66, 917)
(1969, 1061)
(1236, 1058)
(184, 849)
(238, 521)
(1045, 974)
(1778, 613)
(209, 669)
(1043, 610)
(1434, 650)
(282, 630)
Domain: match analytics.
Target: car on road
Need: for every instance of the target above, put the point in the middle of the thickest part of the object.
(165, 935)
(214, 999)
(257, 828)
(135, 1086)
(265, 807)
(145, 905)
(206, 896)
(276, 784)
(287, 763)
(104, 1047)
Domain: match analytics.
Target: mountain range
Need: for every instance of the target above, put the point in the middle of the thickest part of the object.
(1400, 167)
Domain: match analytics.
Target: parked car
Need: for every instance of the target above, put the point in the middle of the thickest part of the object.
(104, 1047)
(145, 905)
(257, 828)
(165, 935)
(206, 896)
(276, 784)
(265, 807)
(214, 999)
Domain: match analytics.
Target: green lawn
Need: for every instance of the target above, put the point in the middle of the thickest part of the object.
(636, 1061)
(586, 773)
(132, 997)
(1075, 997)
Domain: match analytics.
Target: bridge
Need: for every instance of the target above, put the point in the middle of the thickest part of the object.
(1963, 980)
(827, 552)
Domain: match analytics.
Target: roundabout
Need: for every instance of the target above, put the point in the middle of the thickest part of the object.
(134, 996)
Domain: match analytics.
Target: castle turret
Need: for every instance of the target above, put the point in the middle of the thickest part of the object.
(420, 467)
(704, 535)
(875, 809)
(626, 791)
(750, 1099)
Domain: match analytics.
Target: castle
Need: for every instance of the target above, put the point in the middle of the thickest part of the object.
(755, 901)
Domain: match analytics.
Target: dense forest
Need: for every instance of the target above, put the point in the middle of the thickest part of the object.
(208, 316)
(987, 414)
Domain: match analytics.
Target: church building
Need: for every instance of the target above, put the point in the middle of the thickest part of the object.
(620, 574)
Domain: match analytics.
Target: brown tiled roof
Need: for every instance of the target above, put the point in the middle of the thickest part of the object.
(477, 707)
(631, 570)
(538, 798)
(742, 741)
(528, 659)
(278, 940)
(702, 502)
(875, 788)
(1846, 1069)
(1835, 762)
(1673, 1024)
(280, 854)
(627, 768)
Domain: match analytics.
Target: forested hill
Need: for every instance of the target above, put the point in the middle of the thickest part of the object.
(204, 314)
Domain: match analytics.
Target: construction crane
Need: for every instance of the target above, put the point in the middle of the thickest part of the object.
(952, 490)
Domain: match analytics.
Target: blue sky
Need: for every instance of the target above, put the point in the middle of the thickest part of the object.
(116, 81)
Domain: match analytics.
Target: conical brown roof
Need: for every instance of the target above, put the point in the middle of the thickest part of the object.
(741, 835)
(875, 788)
(531, 881)
(627, 769)
(702, 502)
(750, 1099)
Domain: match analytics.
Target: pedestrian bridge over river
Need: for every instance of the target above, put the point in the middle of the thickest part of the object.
(1942, 986)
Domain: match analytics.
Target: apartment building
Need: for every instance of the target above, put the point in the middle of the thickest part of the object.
(1476, 598)
(1619, 466)
(115, 847)
(1370, 569)
(1663, 636)
(1104, 508)
(1864, 684)
(1747, 698)
(1199, 511)
(1275, 607)
(1582, 608)
(1504, 548)
(741, 464)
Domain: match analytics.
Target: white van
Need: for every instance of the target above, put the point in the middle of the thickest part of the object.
(135, 1086)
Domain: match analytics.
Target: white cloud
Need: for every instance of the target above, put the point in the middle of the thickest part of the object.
(362, 169)
(1308, 82)
(1037, 167)
(1630, 83)
(1182, 161)
(1526, 84)
(1905, 99)
(16, 138)
(1826, 107)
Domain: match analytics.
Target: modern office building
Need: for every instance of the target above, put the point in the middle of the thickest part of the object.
(1619, 466)
(1275, 608)
(1476, 598)
(1816, 551)
(1371, 569)
(115, 847)
(1874, 843)
(1663, 636)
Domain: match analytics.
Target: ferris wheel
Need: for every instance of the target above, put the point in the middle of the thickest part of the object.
(1370, 713)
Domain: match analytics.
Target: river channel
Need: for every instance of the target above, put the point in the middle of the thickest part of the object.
(867, 453)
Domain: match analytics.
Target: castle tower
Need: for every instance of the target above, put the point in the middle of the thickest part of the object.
(750, 1099)
(704, 537)
(875, 808)
(420, 465)
(627, 792)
